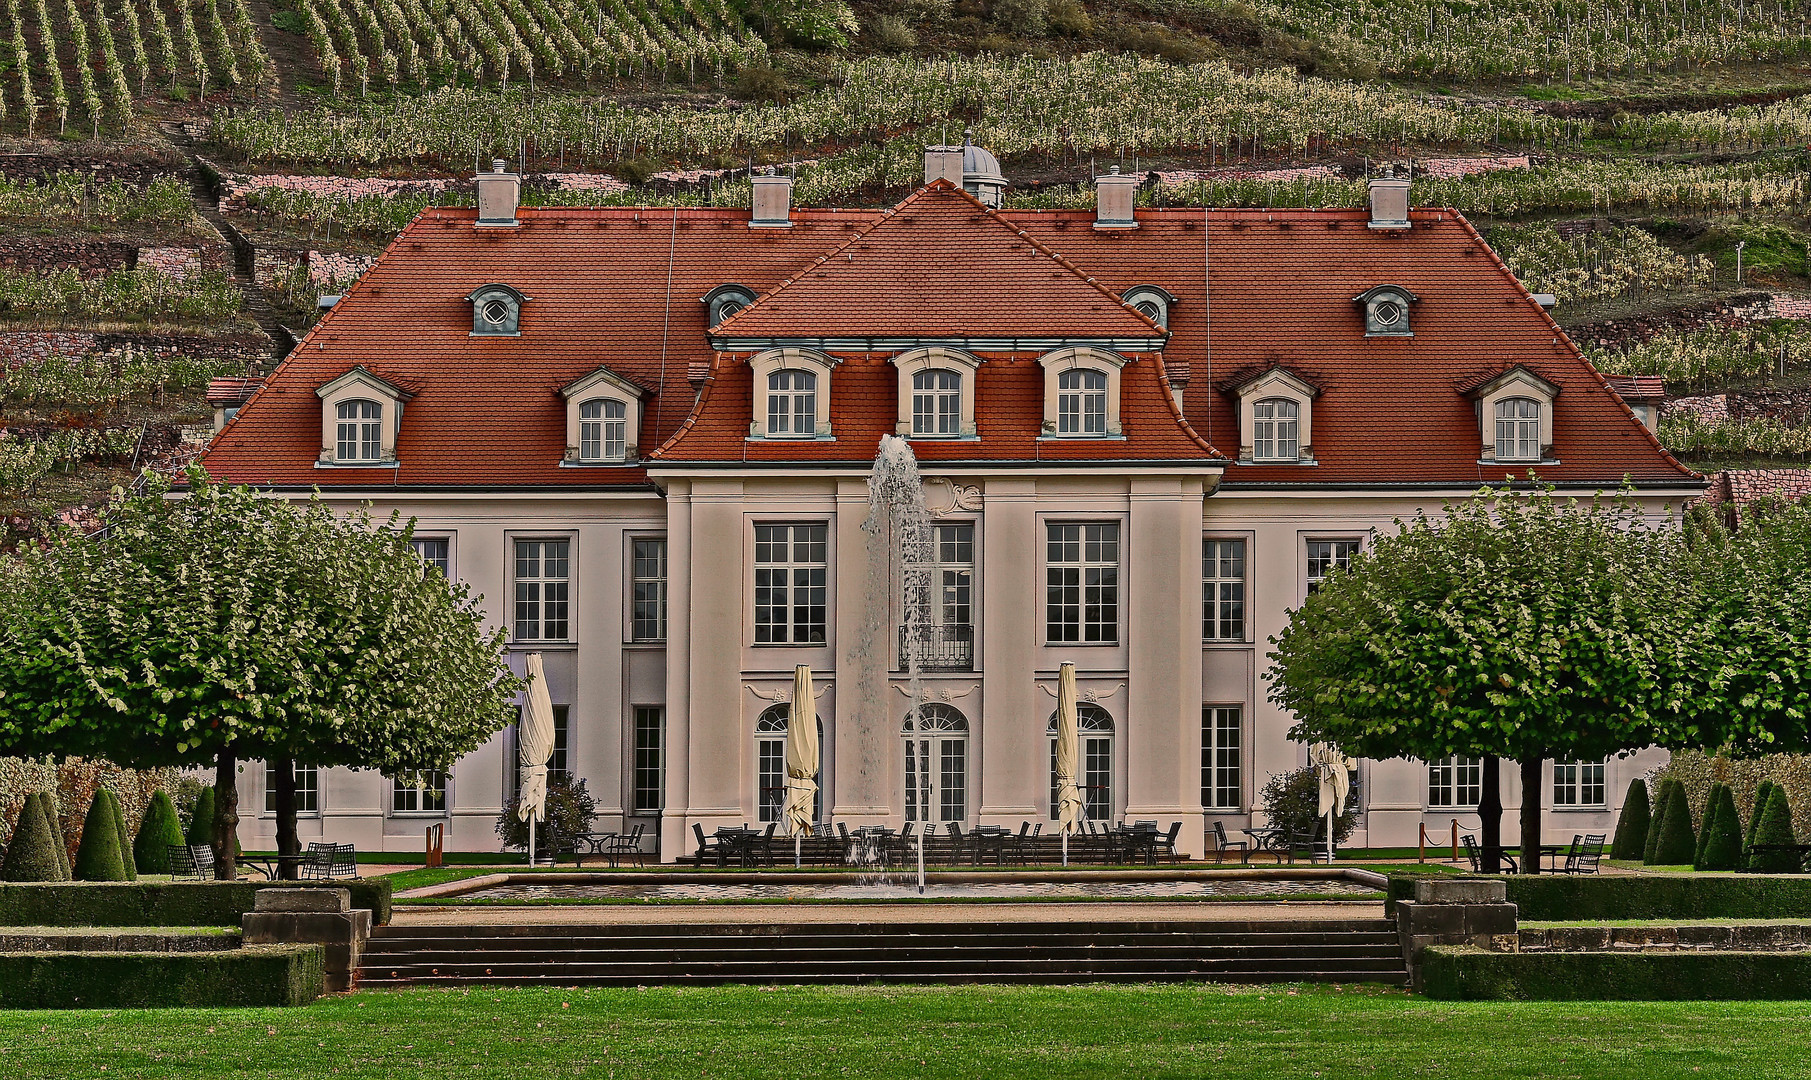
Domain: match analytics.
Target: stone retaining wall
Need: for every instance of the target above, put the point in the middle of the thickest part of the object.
(1749, 937)
(90, 259)
(18, 347)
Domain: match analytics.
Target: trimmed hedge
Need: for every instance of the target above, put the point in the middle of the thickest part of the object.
(1775, 828)
(1762, 792)
(1632, 824)
(125, 835)
(1722, 834)
(254, 975)
(159, 830)
(163, 903)
(201, 825)
(32, 855)
(1678, 844)
(1560, 897)
(1705, 823)
(1467, 974)
(100, 857)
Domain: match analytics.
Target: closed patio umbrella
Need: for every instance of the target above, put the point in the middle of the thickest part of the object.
(801, 759)
(1068, 750)
(535, 747)
(1334, 770)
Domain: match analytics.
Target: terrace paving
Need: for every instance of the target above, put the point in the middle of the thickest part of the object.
(1290, 911)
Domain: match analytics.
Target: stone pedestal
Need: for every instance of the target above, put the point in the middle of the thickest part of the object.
(311, 916)
(1454, 912)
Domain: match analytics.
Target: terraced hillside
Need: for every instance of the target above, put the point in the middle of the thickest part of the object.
(183, 178)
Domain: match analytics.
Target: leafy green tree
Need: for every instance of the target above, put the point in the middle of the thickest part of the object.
(32, 854)
(1632, 824)
(98, 857)
(1520, 625)
(1678, 843)
(1723, 851)
(125, 835)
(201, 824)
(228, 626)
(1775, 828)
(156, 833)
(1662, 801)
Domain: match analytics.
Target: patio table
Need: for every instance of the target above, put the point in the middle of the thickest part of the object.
(1266, 839)
(739, 843)
(991, 839)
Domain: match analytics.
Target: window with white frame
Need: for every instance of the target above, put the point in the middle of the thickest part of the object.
(1455, 782)
(421, 794)
(792, 404)
(1082, 583)
(936, 764)
(791, 584)
(602, 429)
(648, 589)
(436, 551)
(770, 764)
(1081, 402)
(543, 583)
(936, 403)
(955, 545)
(1222, 757)
(308, 788)
(1326, 556)
(1223, 590)
(1518, 429)
(1275, 430)
(1579, 783)
(1094, 762)
(361, 431)
(649, 759)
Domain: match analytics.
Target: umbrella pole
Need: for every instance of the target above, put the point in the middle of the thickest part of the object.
(921, 864)
(1329, 837)
(1065, 848)
(531, 841)
(796, 842)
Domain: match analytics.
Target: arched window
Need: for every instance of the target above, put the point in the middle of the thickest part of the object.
(792, 404)
(1095, 762)
(496, 310)
(770, 757)
(1518, 429)
(360, 436)
(1081, 402)
(936, 403)
(1275, 430)
(602, 429)
(936, 763)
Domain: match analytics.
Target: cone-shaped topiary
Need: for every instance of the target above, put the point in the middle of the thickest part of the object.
(1678, 843)
(1775, 828)
(55, 817)
(32, 855)
(1632, 825)
(158, 830)
(1723, 849)
(201, 826)
(98, 857)
(1704, 823)
(1761, 792)
(124, 834)
(1662, 799)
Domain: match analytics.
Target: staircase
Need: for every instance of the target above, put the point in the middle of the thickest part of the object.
(1358, 950)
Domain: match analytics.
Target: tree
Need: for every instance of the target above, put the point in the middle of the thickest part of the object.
(1662, 804)
(1678, 843)
(32, 855)
(99, 858)
(1632, 824)
(1519, 625)
(1775, 828)
(1723, 850)
(156, 834)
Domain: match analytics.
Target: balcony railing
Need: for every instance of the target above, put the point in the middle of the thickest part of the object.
(946, 647)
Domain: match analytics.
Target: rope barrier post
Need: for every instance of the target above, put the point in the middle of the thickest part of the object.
(1423, 857)
(1455, 839)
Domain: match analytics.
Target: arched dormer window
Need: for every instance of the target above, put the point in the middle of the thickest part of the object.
(1515, 416)
(725, 300)
(1276, 417)
(1275, 430)
(791, 394)
(1081, 393)
(603, 419)
(1518, 429)
(361, 414)
(496, 311)
(359, 431)
(1151, 302)
(936, 403)
(936, 393)
(1386, 310)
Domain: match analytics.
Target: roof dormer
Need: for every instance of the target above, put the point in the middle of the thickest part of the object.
(1515, 417)
(1276, 417)
(361, 415)
(1151, 302)
(725, 300)
(496, 310)
(603, 419)
(1386, 309)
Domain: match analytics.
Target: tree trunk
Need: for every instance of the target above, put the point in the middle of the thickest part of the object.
(1490, 813)
(288, 846)
(226, 816)
(1531, 814)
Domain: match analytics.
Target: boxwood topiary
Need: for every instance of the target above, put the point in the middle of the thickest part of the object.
(201, 826)
(98, 857)
(1677, 841)
(1632, 825)
(1704, 823)
(158, 830)
(32, 854)
(1775, 828)
(1662, 799)
(55, 817)
(120, 830)
(1723, 848)
(1761, 792)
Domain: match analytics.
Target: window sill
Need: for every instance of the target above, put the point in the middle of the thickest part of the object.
(599, 464)
(1303, 462)
(1081, 438)
(789, 645)
(561, 645)
(417, 813)
(1226, 643)
(1519, 463)
(476, 334)
(271, 815)
(392, 464)
(1081, 644)
(1579, 809)
(788, 438)
(657, 643)
(915, 437)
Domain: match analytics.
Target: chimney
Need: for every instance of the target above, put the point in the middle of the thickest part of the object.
(499, 193)
(943, 163)
(772, 201)
(1115, 196)
(1389, 202)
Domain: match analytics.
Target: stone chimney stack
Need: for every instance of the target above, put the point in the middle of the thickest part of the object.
(772, 201)
(1114, 198)
(499, 193)
(1389, 202)
(943, 163)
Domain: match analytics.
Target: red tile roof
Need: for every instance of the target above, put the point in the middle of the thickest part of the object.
(232, 390)
(1638, 387)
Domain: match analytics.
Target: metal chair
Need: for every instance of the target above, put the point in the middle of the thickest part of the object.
(1476, 856)
(1165, 844)
(1222, 845)
(955, 843)
(707, 846)
(326, 861)
(192, 861)
(625, 846)
(1585, 853)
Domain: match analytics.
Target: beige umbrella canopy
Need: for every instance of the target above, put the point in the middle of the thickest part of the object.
(1334, 770)
(1068, 750)
(801, 756)
(535, 747)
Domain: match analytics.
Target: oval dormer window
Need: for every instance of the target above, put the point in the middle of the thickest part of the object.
(725, 300)
(1388, 312)
(496, 311)
(1151, 302)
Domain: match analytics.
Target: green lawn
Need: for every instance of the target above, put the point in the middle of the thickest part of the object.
(960, 1032)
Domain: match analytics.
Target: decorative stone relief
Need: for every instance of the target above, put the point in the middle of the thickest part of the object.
(954, 496)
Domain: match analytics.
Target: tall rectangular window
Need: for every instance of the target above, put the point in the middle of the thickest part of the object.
(792, 404)
(1222, 757)
(1223, 590)
(1081, 597)
(1325, 556)
(425, 794)
(1456, 782)
(791, 584)
(1578, 783)
(308, 789)
(1081, 402)
(1275, 430)
(955, 575)
(435, 551)
(936, 403)
(650, 759)
(648, 590)
(559, 761)
(771, 766)
(543, 573)
(1518, 429)
(359, 431)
